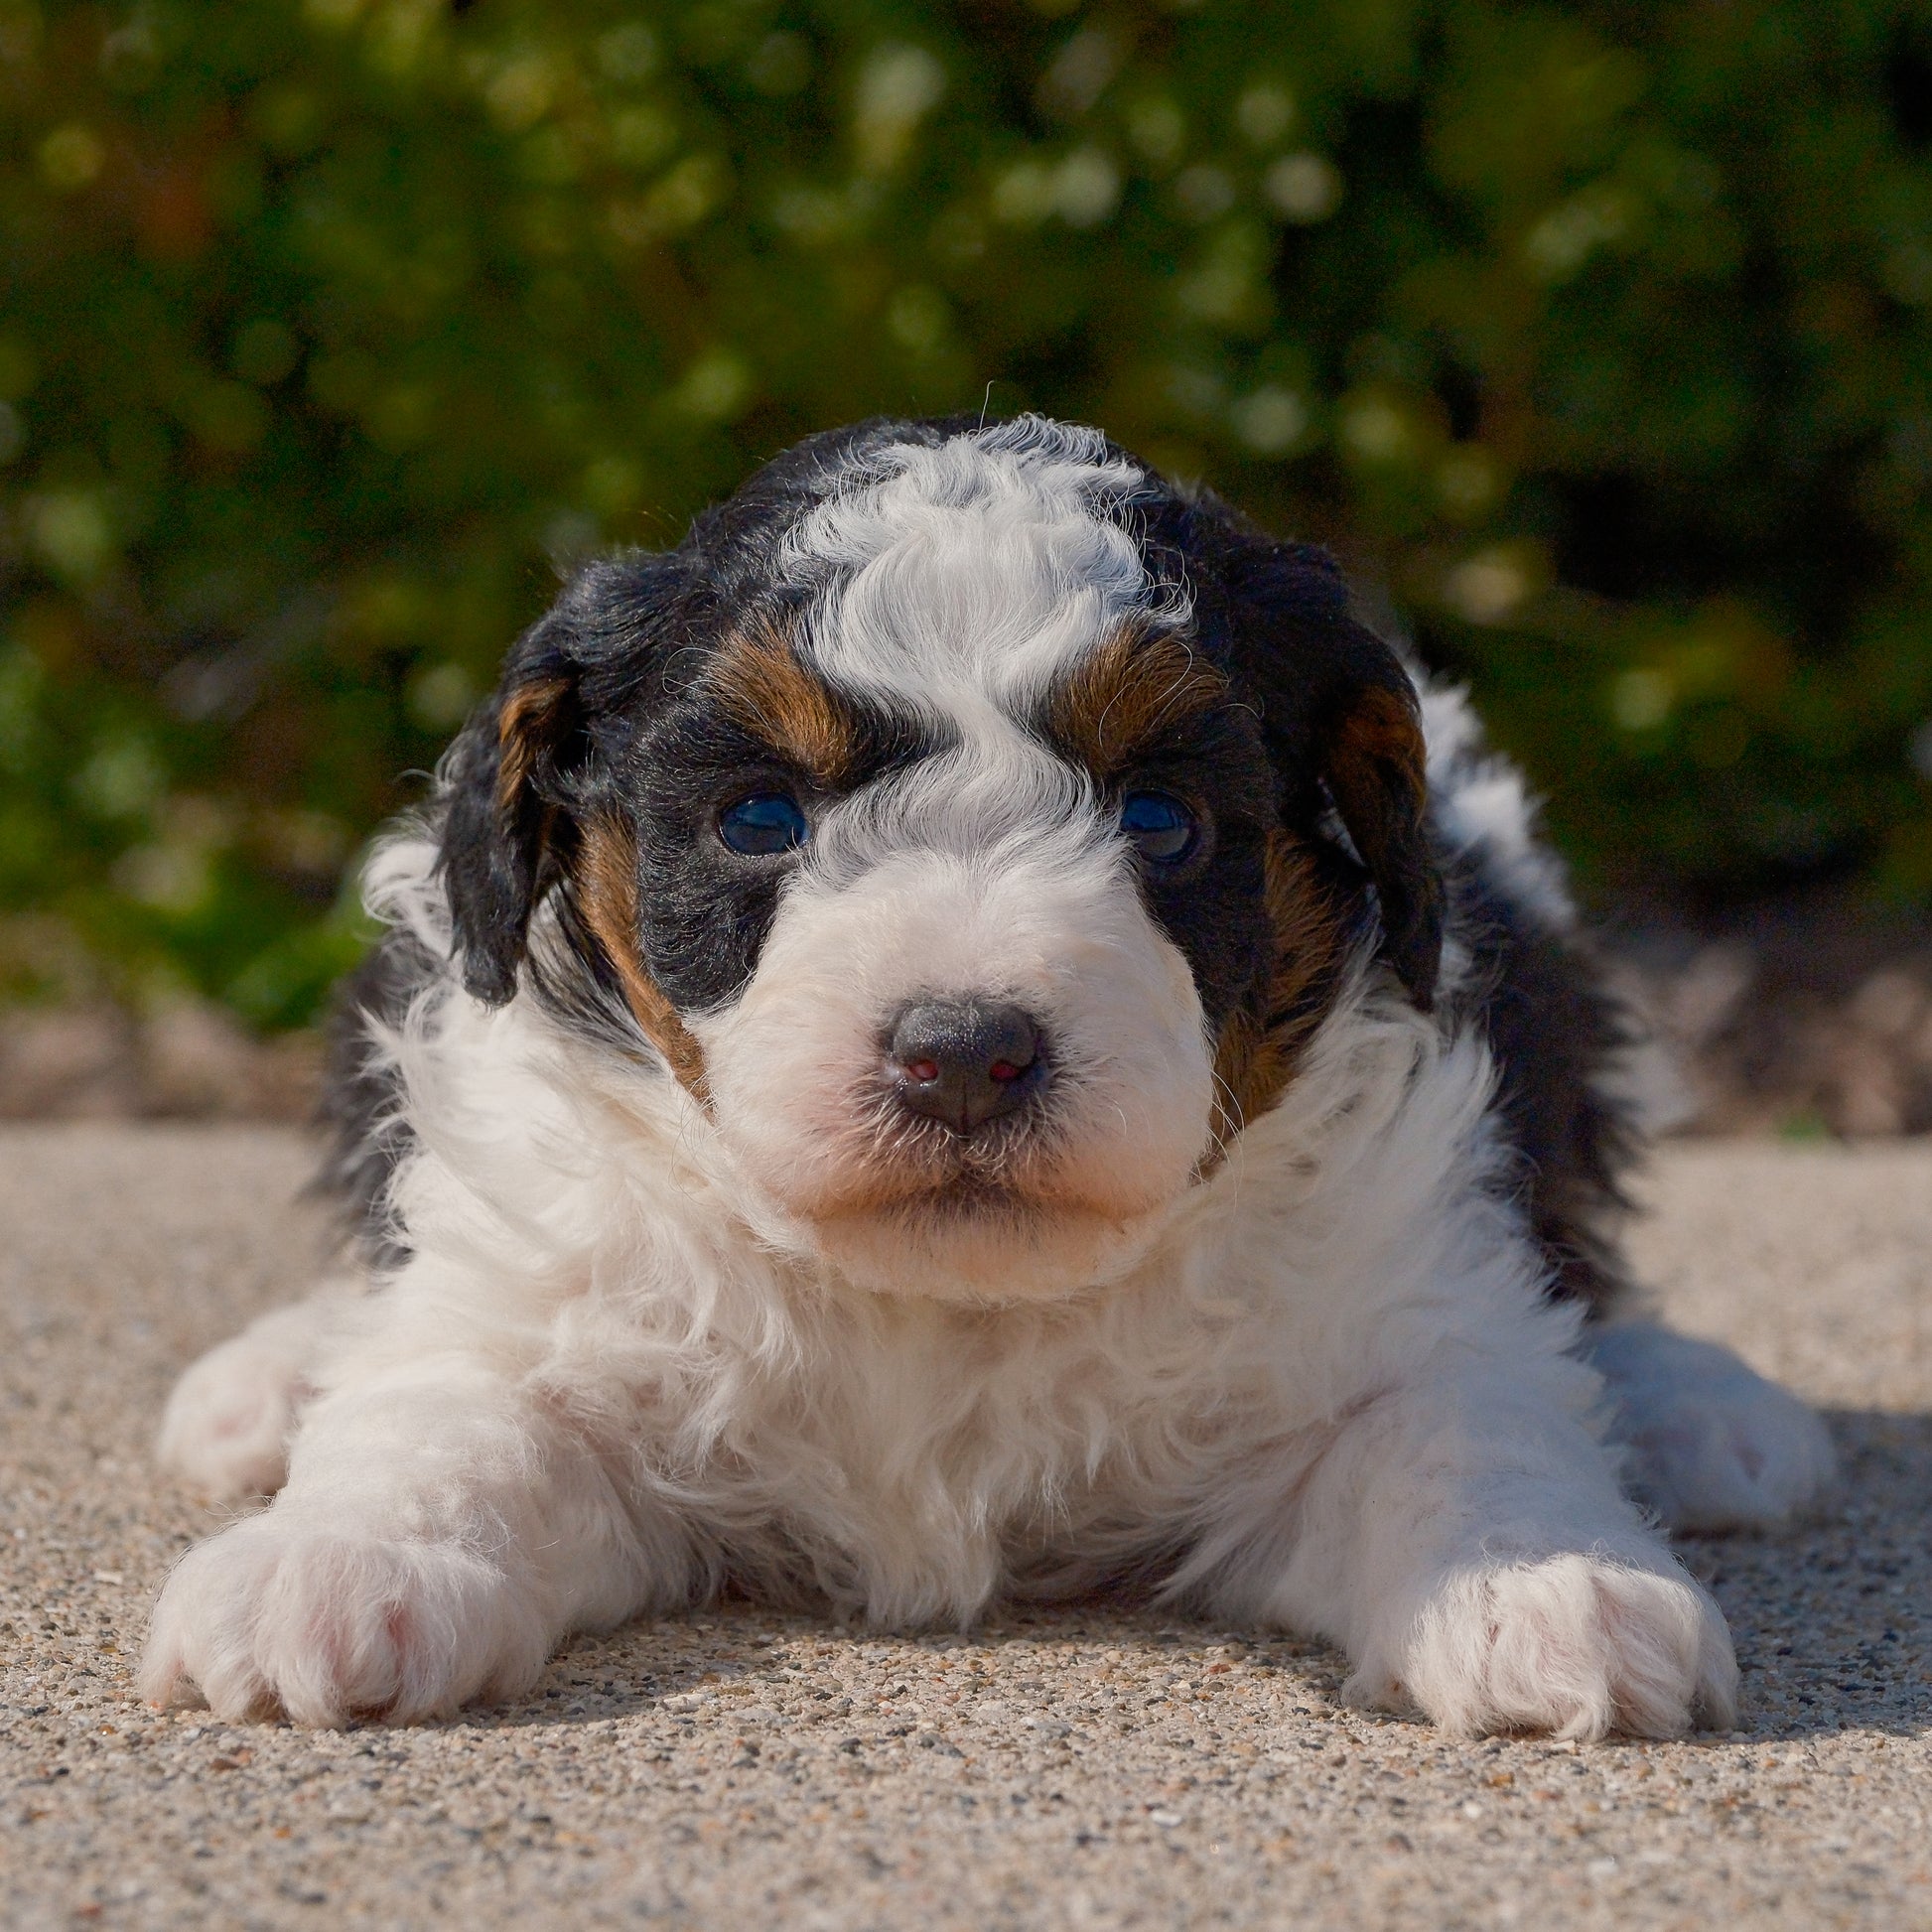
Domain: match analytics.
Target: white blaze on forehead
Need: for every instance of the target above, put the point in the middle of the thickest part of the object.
(974, 573)
(997, 788)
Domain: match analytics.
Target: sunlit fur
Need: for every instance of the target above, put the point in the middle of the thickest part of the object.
(651, 1334)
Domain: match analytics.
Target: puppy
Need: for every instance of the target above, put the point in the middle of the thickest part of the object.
(966, 1032)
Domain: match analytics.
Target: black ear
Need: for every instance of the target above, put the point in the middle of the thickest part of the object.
(501, 782)
(1370, 752)
(1338, 706)
(527, 766)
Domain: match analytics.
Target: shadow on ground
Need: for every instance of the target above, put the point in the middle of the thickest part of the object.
(1831, 1618)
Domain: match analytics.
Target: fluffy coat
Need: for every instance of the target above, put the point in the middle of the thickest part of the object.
(671, 1296)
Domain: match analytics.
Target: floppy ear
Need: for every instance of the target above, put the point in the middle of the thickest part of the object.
(1337, 705)
(501, 795)
(1370, 753)
(522, 773)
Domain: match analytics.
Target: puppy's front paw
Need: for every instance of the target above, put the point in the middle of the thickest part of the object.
(232, 1415)
(227, 1423)
(328, 1624)
(1710, 1444)
(1578, 1645)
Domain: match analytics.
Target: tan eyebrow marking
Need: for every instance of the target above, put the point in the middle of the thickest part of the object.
(1138, 683)
(606, 894)
(762, 685)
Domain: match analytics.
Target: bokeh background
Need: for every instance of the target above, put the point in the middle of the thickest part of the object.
(1596, 337)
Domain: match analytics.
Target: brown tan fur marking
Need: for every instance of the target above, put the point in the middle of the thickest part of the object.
(1380, 732)
(1377, 773)
(606, 896)
(1138, 683)
(1258, 1052)
(764, 688)
(519, 733)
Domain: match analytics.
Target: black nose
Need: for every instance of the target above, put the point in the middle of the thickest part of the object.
(964, 1062)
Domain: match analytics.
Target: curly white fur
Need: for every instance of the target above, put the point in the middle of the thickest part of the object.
(592, 1391)
(642, 1343)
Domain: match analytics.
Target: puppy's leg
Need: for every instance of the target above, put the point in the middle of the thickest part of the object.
(1466, 1538)
(229, 1420)
(1710, 1444)
(440, 1531)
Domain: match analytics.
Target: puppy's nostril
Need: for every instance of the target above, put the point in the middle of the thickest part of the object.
(964, 1062)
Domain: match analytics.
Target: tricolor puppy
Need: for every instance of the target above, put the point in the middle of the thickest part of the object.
(965, 1032)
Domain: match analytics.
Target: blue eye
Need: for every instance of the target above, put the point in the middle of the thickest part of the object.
(767, 823)
(1159, 828)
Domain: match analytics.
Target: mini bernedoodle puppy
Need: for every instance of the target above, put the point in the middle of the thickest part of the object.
(968, 1032)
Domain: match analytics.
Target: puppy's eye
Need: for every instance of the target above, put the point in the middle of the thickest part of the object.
(1159, 828)
(766, 823)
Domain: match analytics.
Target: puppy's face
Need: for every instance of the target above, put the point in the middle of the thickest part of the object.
(923, 815)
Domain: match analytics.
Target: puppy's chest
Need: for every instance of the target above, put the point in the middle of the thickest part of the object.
(946, 1431)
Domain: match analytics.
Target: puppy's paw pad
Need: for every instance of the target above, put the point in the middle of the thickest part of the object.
(281, 1612)
(1575, 1646)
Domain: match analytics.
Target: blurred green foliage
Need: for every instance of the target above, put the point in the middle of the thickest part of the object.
(1600, 335)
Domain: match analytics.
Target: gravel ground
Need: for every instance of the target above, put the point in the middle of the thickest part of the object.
(1088, 1767)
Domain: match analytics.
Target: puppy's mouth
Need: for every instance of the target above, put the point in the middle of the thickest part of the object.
(895, 1163)
(1040, 1199)
(1027, 1203)
(959, 1229)
(970, 1196)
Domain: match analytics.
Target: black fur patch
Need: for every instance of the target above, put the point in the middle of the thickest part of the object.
(1213, 907)
(704, 911)
(1554, 1028)
(1276, 615)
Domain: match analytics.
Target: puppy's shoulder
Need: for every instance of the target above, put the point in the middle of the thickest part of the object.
(1528, 975)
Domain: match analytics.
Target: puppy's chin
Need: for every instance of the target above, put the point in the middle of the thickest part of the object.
(980, 1245)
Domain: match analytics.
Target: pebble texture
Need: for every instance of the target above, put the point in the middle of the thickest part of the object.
(1090, 1766)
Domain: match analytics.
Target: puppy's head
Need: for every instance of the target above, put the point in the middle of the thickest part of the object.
(974, 824)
